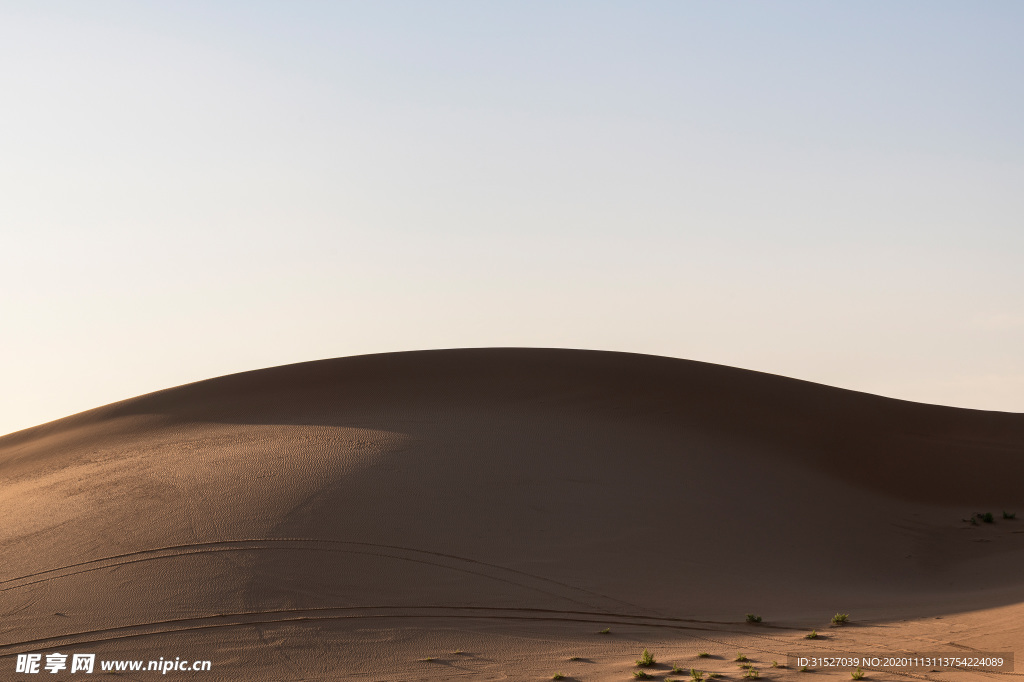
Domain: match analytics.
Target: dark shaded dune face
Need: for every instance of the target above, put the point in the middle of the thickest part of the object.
(501, 481)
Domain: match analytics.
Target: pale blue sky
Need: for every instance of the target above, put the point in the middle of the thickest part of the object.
(829, 191)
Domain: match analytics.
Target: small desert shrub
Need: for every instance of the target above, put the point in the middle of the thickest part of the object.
(741, 657)
(775, 664)
(646, 660)
(841, 619)
(753, 618)
(676, 670)
(703, 654)
(987, 518)
(575, 658)
(641, 675)
(605, 631)
(1009, 515)
(857, 674)
(558, 676)
(804, 669)
(813, 634)
(696, 675)
(428, 659)
(746, 666)
(714, 674)
(751, 674)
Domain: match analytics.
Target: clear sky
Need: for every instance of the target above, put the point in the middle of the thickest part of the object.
(832, 191)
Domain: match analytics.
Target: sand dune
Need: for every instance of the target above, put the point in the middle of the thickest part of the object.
(349, 517)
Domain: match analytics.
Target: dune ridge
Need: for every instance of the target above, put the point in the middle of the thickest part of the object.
(584, 486)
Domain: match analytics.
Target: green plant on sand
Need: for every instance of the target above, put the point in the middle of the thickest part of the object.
(646, 660)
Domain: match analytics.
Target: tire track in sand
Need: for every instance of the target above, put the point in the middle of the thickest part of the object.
(284, 616)
(483, 569)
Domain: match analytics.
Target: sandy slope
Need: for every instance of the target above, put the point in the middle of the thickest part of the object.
(350, 517)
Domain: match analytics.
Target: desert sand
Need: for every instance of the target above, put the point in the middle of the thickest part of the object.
(485, 513)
